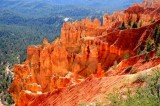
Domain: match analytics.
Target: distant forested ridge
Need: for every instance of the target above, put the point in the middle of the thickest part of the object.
(26, 22)
(17, 32)
(64, 7)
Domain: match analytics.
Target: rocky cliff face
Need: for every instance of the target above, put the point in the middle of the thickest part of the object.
(79, 62)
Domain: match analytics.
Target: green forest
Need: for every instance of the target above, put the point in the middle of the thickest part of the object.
(18, 31)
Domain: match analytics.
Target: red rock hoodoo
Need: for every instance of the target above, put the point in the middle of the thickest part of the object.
(79, 62)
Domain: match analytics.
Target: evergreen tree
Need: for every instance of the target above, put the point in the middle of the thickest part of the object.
(156, 35)
(122, 27)
(149, 45)
(134, 25)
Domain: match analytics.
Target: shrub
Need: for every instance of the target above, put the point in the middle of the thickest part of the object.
(92, 104)
(133, 70)
(126, 56)
(140, 49)
(149, 45)
(146, 58)
(140, 78)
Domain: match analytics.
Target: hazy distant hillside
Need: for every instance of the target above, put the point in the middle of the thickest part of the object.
(56, 7)
(42, 8)
(103, 4)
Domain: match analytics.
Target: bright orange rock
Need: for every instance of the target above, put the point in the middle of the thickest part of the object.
(100, 72)
(81, 56)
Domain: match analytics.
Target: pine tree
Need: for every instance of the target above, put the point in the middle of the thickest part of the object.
(122, 27)
(156, 35)
(134, 25)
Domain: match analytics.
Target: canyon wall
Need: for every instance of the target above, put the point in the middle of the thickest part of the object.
(83, 55)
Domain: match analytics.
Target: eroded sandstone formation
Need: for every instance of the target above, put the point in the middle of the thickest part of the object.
(78, 61)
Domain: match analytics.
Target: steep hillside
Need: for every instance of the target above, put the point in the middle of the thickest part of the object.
(17, 32)
(105, 4)
(90, 59)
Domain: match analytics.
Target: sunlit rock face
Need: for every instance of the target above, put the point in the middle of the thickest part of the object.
(78, 63)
